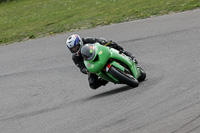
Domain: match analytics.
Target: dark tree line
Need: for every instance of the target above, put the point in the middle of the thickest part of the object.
(1, 1)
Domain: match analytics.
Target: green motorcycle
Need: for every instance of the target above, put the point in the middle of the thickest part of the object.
(111, 65)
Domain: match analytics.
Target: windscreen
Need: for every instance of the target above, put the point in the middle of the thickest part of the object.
(88, 51)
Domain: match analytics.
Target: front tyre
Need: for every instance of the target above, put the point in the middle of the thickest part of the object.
(123, 77)
(142, 74)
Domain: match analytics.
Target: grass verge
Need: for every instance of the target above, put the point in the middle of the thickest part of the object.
(28, 19)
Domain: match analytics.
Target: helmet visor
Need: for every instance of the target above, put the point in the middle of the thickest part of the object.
(75, 48)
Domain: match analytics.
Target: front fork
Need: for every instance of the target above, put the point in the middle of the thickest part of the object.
(134, 70)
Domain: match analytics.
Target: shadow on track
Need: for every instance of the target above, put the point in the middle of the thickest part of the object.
(108, 93)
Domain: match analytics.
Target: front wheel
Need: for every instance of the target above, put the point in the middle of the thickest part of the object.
(123, 77)
(142, 74)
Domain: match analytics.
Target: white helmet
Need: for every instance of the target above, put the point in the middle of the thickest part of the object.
(74, 43)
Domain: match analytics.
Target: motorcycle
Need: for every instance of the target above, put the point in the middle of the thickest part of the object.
(112, 65)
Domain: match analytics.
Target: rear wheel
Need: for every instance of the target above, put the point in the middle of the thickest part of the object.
(123, 77)
(142, 74)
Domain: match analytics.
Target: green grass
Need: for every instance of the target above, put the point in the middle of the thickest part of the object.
(28, 19)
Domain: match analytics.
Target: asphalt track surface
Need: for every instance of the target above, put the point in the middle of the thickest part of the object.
(41, 90)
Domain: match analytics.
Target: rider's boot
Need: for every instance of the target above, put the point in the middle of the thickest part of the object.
(121, 50)
(131, 56)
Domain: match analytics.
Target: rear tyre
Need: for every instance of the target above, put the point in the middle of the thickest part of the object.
(123, 77)
(142, 74)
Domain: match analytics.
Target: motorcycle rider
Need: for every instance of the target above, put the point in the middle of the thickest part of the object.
(75, 43)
